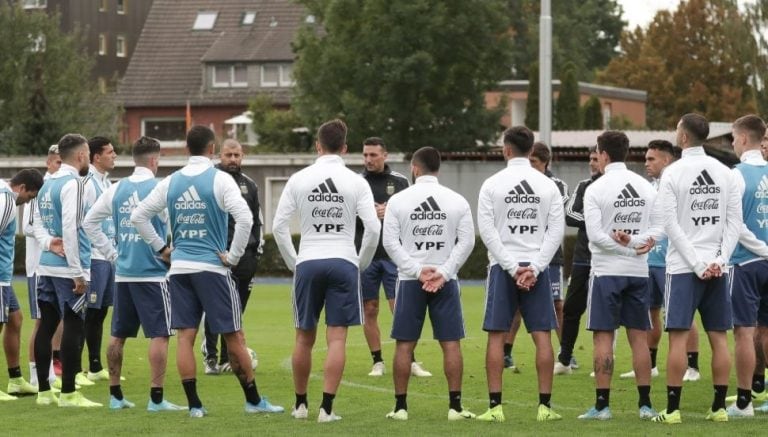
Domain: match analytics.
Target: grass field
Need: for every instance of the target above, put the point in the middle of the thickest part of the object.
(362, 400)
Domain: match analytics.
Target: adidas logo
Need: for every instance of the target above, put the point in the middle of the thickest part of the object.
(326, 192)
(704, 184)
(522, 193)
(628, 197)
(130, 204)
(762, 188)
(428, 210)
(45, 202)
(190, 200)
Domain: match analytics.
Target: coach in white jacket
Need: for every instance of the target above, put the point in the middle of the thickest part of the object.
(428, 233)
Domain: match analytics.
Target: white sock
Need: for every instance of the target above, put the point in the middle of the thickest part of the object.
(32, 373)
(51, 374)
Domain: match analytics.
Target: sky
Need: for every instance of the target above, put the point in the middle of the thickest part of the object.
(641, 12)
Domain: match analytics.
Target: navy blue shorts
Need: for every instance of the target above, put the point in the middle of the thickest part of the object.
(412, 303)
(749, 293)
(380, 272)
(556, 281)
(8, 302)
(503, 299)
(656, 281)
(102, 292)
(618, 300)
(142, 303)
(330, 283)
(34, 308)
(60, 293)
(214, 294)
(685, 293)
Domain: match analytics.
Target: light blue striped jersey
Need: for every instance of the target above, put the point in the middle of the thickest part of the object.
(49, 207)
(754, 207)
(108, 224)
(7, 235)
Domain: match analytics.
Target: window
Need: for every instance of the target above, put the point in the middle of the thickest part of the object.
(286, 75)
(249, 18)
(103, 4)
(310, 19)
(225, 76)
(221, 76)
(270, 75)
(102, 44)
(165, 129)
(37, 43)
(35, 4)
(205, 20)
(120, 50)
(239, 75)
(121, 7)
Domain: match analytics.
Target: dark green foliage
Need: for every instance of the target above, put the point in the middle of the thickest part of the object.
(567, 107)
(592, 114)
(532, 104)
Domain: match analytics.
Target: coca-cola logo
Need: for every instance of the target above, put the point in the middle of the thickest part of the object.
(427, 230)
(631, 217)
(762, 209)
(523, 214)
(332, 212)
(125, 222)
(705, 205)
(191, 219)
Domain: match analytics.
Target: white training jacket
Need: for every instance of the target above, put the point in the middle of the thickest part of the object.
(746, 237)
(520, 217)
(32, 249)
(328, 197)
(619, 200)
(428, 224)
(92, 195)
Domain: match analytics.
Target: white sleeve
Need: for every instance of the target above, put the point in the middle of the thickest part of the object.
(7, 210)
(488, 232)
(151, 206)
(553, 235)
(281, 226)
(733, 220)
(466, 242)
(393, 244)
(366, 211)
(655, 225)
(593, 219)
(100, 211)
(227, 192)
(40, 233)
(27, 218)
(72, 211)
(668, 204)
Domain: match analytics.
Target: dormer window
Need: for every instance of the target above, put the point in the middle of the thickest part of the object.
(205, 20)
(249, 18)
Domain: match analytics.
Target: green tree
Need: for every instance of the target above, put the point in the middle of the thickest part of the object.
(411, 71)
(532, 103)
(278, 130)
(703, 58)
(567, 108)
(45, 85)
(592, 114)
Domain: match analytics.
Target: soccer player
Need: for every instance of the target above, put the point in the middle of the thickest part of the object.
(64, 270)
(22, 188)
(384, 183)
(327, 197)
(230, 160)
(749, 274)
(102, 286)
(576, 298)
(618, 289)
(701, 206)
(141, 298)
(520, 218)
(428, 233)
(199, 198)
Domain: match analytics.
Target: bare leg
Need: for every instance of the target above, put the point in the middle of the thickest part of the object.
(402, 366)
(453, 364)
(545, 359)
(115, 359)
(12, 338)
(559, 315)
(494, 360)
(654, 335)
(336, 338)
(721, 358)
(239, 358)
(371, 325)
(301, 361)
(676, 360)
(603, 358)
(158, 360)
(185, 355)
(641, 358)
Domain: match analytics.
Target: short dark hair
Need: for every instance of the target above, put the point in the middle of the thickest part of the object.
(29, 177)
(97, 145)
(662, 146)
(542, 152)
(427, 159)
(615, 144)
(375, 141)
(332, 135)
(752, 125)
(519, 137)
(198, 139)
(68, 143)
(145, 146)
(696, 126)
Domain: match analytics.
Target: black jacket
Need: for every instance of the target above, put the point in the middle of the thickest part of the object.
(250, 192)
(383, 185)
(574, 216)
(558, 258)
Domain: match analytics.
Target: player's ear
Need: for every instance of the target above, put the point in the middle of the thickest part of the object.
(343, 149)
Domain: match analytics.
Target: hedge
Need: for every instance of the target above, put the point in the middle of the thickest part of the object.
(271, 263)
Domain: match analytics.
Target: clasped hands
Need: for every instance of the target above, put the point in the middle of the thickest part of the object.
(525, 278)
(431, 280)
(625, 239)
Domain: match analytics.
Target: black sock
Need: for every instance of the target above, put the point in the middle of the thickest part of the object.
(400, 402)
(602, 398)
(14, 372)
(94, 328)
(156, 394)
(49, 321)
(719, 401)
(327, 403)
(644, 392)
(190, 389)
(116, 391)
(743, 398)
(654, 351)
(413, 357)
(495, 398)
(301, 399)
(693, 360)
(251, 392)
(758, 383)
(508, 349)
(454, 400)
(673, 398)
(377, 356)
(70, 347)
(544, 399)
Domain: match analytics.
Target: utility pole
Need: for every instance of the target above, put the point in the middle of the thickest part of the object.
(545, 73)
